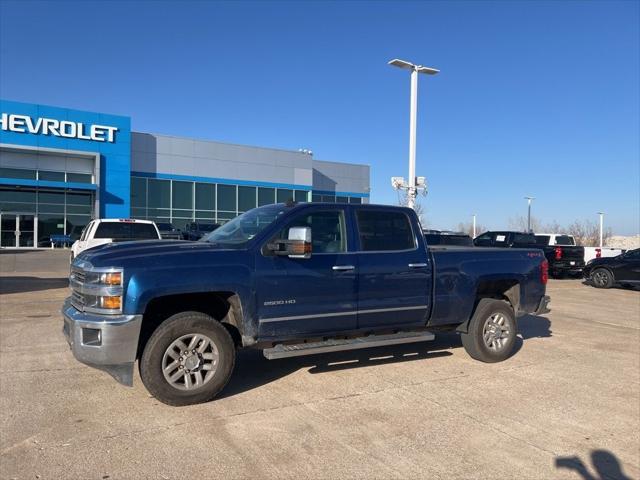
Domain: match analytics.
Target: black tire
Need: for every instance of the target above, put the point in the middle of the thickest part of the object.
(154, 354)
(601, 278)
(486, 320)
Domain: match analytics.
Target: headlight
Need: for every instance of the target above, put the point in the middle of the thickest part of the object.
(111, 279)
(97, 290)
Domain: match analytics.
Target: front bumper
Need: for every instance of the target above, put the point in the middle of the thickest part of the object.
(543, 306)
(106, 342)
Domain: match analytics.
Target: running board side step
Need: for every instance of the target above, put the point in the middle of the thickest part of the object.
(338, 345)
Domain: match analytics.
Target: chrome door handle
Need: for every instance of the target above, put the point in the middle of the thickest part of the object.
(418, 265)
(342, 268)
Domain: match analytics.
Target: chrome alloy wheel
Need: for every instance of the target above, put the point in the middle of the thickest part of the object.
(600, 278)
(496, 332)
(190, 361)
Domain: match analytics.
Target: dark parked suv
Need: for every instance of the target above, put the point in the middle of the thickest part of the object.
(607, 271)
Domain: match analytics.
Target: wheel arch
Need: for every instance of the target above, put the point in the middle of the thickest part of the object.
(506, 289)
(223, 306)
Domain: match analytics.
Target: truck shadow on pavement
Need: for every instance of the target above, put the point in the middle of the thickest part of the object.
(20, 284)
(606, 465)
(253, 370)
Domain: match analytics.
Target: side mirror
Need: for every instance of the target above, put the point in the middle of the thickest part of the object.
(298, 245)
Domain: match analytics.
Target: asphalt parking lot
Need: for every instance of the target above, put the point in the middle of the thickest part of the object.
(566, 405)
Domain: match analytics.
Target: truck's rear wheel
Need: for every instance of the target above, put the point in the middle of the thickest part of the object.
(188, 359)
(492, 331)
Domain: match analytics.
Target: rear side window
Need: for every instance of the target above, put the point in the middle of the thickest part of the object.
(126, 231)
(382, 231)
(542, 239)
(524, 239)
(565, 240)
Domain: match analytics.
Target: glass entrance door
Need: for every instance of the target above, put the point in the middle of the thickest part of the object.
(8, 230)
(26, 225)
(17, 230)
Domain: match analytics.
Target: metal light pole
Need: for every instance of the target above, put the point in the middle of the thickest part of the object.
(601, 225)
(529, 213)
(474, 225)
(413, 116)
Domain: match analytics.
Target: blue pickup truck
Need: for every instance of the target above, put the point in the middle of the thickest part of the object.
(290, 279)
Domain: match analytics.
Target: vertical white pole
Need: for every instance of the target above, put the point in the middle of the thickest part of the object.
(601, 225)
(411, 193)
(529, 216)
(474, 225)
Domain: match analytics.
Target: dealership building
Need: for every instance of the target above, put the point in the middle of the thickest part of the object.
(60, 168)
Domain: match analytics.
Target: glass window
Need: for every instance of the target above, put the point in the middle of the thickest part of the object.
(182, 195)
(158, 212)
(564, 240)
(76, 225)
(158, 193)
(140, 213)
(205, 196)
(18, 173)
(483, 240)
(138, 192)
(11, 195)
(316, 198)
(284, 195)
(49, 225)
(327, 230)
(243, 228)
(76, 198)
(300, 196)
(205, 215)
(328, 198)
(246, 198)
(126, 231)
(381, 230)
(224, 217)
(356, 200)
(266, 196)
(523, 239)
(227, 198)
(51, 197)
(79, 177)
(542, 239)
(51, 176)
(342, 199)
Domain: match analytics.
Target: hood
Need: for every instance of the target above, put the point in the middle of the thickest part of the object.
(601, 261)
(147, 253)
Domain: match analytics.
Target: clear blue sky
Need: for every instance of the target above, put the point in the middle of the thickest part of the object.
(534, 98)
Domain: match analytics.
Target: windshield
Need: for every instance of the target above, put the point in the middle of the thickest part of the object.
(243, 228)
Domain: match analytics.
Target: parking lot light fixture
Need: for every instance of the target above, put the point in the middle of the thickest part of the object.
(601, 225)
(413, 115)
(529, 199)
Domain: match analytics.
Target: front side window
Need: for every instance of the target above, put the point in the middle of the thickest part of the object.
(384, 231)
(328, 232)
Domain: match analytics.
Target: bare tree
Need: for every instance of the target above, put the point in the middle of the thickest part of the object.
(520, 223)
(467, 227)
(403, 201)
(587, 233)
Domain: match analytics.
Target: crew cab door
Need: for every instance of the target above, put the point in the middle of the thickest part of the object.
(395, 273)
(302, 296)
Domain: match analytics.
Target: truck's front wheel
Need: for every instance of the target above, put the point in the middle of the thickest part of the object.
(188, 359)
(492, 331)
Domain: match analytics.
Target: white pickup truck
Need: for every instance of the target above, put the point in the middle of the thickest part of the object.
(107, 230)
(567, 240)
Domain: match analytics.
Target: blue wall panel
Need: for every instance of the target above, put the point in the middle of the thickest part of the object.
(115, 158)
